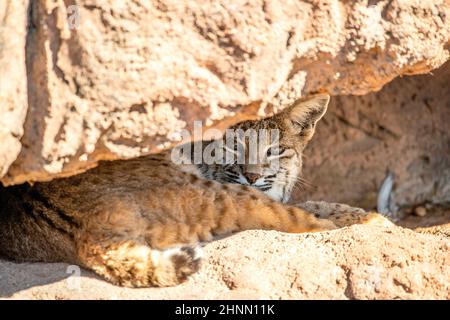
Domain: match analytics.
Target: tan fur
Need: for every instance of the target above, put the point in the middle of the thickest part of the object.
(343, 215)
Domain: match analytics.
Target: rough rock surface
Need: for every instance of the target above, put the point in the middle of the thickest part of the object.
(404, 128)
(116, 79)
(13, 85)
(341, 264)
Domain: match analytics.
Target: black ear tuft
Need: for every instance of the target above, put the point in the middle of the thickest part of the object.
(304, 114)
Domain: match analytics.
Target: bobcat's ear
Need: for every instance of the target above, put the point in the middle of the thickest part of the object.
(304, 114)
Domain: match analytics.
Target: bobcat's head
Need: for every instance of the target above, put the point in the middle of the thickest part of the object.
(276, 166)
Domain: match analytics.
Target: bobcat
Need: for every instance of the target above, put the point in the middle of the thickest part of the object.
(136, 222)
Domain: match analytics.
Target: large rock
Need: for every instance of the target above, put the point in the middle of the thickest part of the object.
(358, 262)
(13, 84)
(117, 79)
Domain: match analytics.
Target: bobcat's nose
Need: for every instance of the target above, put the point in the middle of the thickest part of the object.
(251, 177)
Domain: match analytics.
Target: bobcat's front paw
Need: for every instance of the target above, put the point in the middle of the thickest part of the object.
(343, 215)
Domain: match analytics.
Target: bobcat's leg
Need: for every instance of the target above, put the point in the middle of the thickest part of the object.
(344, 215)
(254, 210)
(231, 208)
